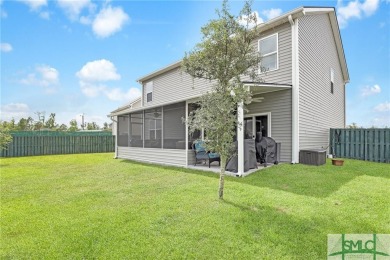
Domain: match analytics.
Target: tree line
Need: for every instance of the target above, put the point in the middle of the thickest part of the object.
(29, 124)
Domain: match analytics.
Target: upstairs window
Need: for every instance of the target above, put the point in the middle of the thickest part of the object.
(149, 91)
(268, 48)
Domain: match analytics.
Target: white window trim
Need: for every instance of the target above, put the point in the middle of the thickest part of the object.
(268, 114)
(271, 53)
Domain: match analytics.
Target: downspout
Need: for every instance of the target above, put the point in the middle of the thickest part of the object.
(295, 90)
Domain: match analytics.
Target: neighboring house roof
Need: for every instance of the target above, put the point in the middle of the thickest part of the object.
(284, 18)
(126, 107)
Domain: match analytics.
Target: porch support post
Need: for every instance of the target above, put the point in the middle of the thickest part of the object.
(240, 138)
(186, 144)
(116, 137)
(295, 91)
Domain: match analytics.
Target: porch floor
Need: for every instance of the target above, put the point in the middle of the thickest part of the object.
(214, 167)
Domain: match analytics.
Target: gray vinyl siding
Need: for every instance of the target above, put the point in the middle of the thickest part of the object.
(174, 157)
(319, 110)
(136, 104)
(279, 104)
(175, 85)
(283, 74)
(191, 157)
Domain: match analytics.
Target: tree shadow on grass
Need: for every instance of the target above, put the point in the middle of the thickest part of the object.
(314, 181)
(276, 233)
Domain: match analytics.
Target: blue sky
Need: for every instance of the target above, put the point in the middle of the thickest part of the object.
(74, 57)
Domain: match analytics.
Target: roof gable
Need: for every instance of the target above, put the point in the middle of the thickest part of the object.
(285, 18)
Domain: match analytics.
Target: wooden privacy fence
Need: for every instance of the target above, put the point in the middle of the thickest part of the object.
(36, 143)
(363, 144)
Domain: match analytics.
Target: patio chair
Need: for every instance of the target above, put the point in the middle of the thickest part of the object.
(202, 155)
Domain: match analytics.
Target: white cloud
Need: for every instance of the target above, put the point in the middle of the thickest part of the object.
(85, 20)
(383, 121)
(93, 73)
(44, 76)
(91, 90)
(369, 7)
(98, 70)
(383, 107)
(14, 110)
(370, 90)
(355, 9)
(44, 15)
(73, 8)
(5, 47)
(117, 94)
(109, 21)
(35, 4)
(3, 14)
(272, 13)
(243, 20)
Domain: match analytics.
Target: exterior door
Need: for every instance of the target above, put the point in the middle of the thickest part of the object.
(254, 124)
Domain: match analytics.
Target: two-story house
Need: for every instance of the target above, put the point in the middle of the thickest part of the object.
(301, 98)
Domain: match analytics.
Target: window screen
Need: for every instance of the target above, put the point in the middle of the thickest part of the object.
(198, 133)
(136, 137)
(152, 128)
(174, 128)
(149, 97)
(123, 130)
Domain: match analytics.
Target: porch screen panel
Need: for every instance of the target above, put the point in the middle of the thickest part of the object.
(136, 123)
(152, 128)
(197, 134)
(174, 128)
(123, 130)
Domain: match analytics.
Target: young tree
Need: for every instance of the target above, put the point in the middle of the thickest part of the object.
(25, 124)
(62, 127)
(51, 122)
(92, 126)
(353, 126)
(38, 125)
(225, 54)
(5, 137)
(73, 126)
(106, 127)
(10, 126)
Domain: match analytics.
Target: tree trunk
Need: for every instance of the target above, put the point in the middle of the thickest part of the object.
(222, 178)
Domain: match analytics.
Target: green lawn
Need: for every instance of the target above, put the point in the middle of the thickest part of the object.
(92, 206)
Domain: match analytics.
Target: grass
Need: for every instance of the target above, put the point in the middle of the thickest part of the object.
(92, 206)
